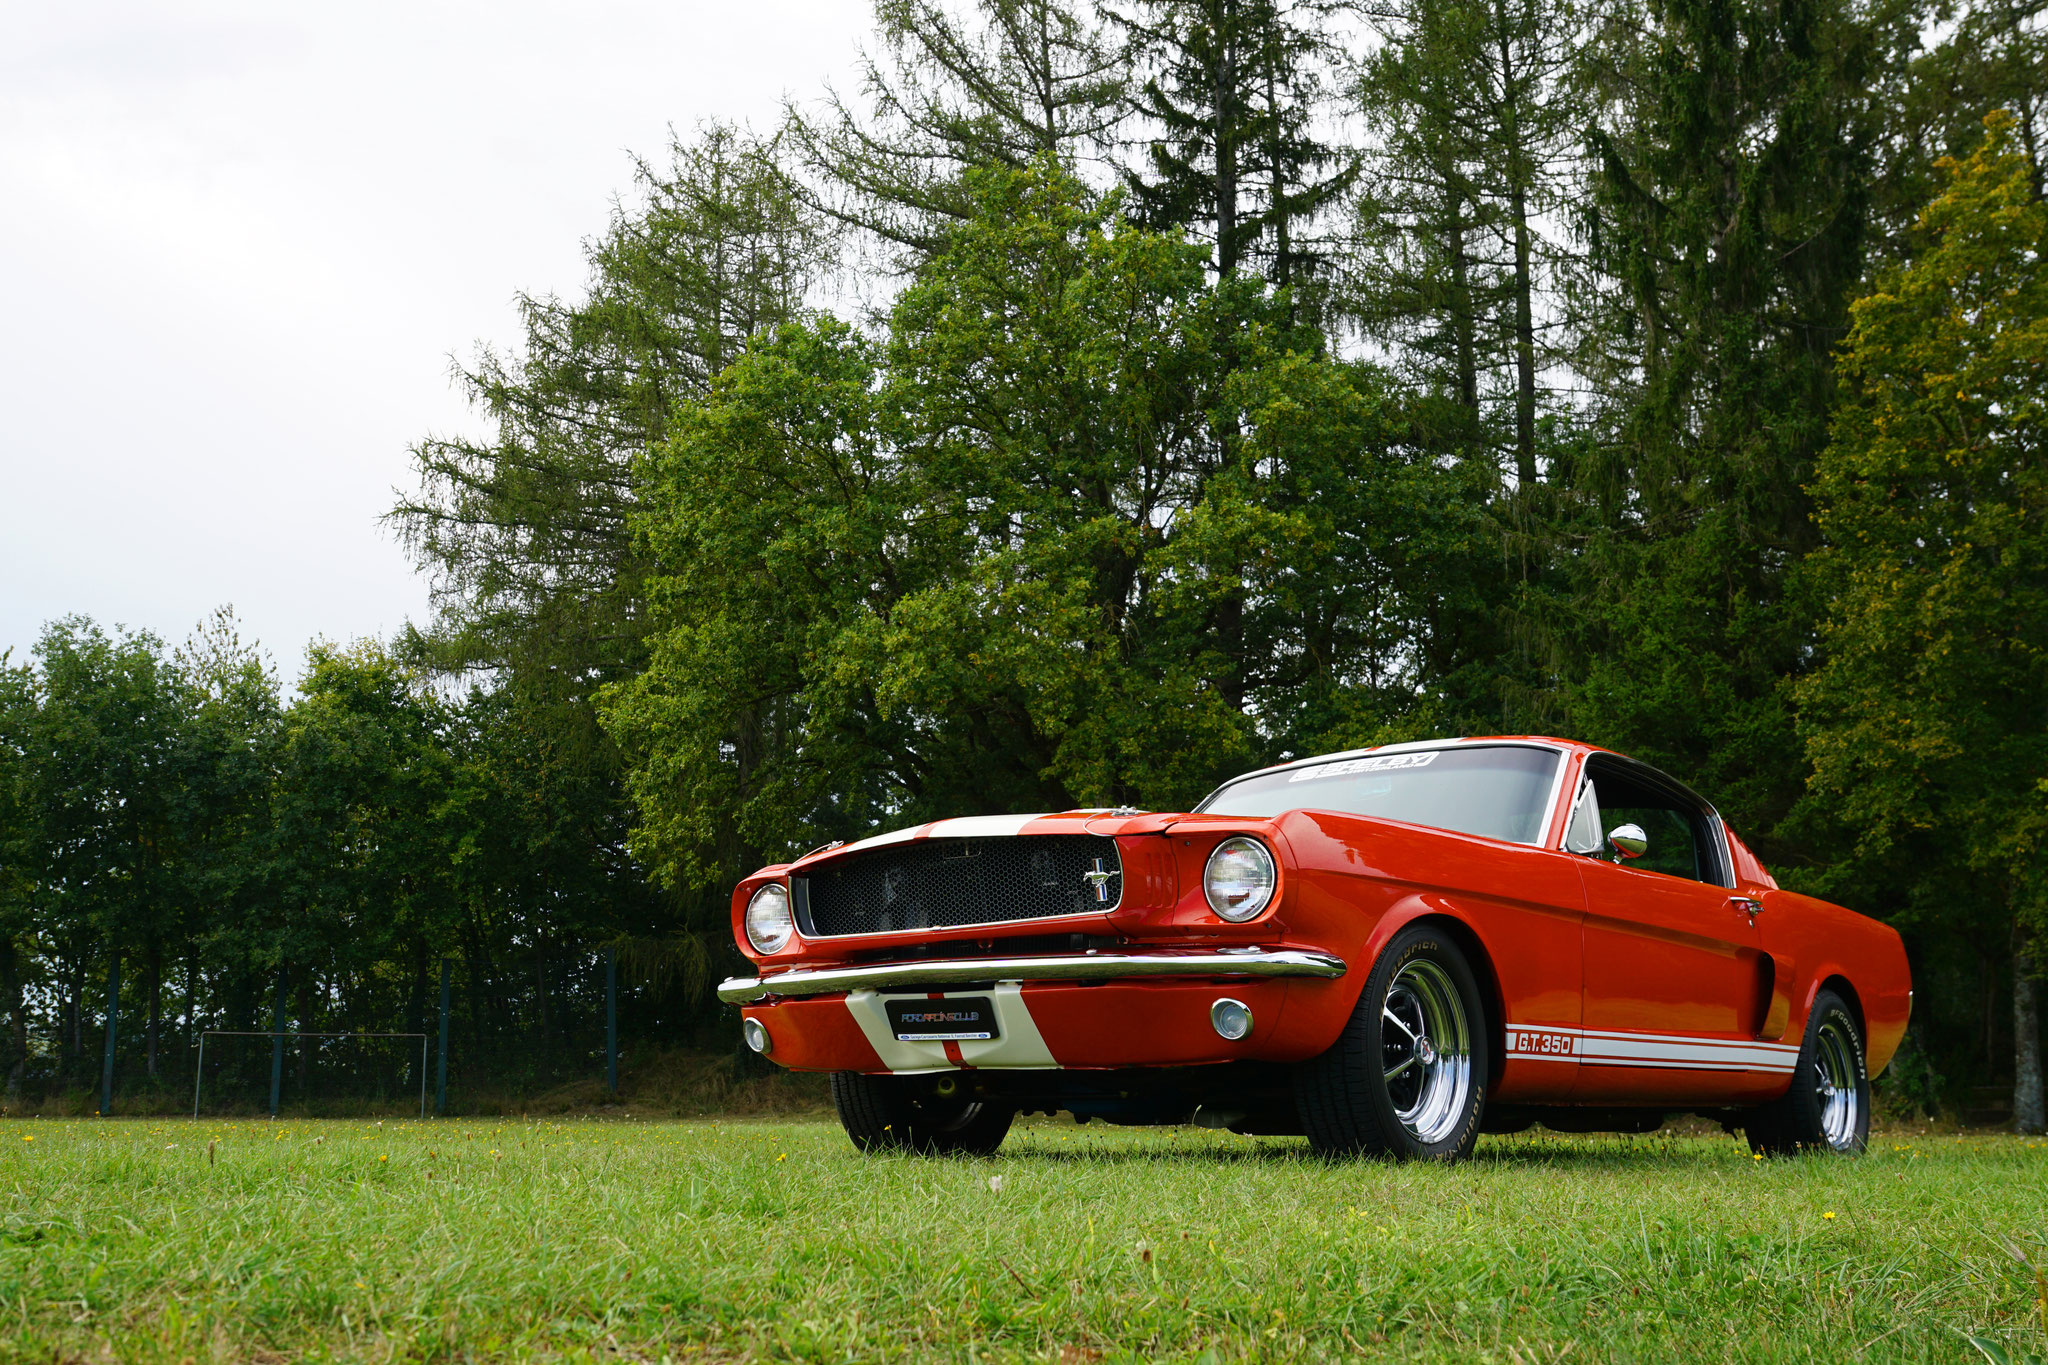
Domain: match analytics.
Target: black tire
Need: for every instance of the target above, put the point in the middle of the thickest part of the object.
(1819, 1113)
(1355, 1099)
(905, 1114)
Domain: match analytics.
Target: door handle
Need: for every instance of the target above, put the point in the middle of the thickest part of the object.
(1748, 905)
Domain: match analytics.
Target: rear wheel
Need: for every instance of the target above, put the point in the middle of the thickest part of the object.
(1828, 1107)
(1407, 1077)
(909, 1114)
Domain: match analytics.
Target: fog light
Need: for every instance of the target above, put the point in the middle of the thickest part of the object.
(756, 1034)
(1232, 1019)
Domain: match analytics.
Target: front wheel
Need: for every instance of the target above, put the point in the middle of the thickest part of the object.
(911, 1114)
(1407, 1077)
(1828, 1107)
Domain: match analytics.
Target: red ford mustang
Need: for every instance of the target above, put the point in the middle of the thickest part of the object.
(1390, 950)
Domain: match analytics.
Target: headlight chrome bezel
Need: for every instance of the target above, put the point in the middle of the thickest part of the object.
(760, 907)
(1265, 869)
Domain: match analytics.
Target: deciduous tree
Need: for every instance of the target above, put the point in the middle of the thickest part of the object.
(1925, 723)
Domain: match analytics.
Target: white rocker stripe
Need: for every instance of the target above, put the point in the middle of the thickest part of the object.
(1663, 1051)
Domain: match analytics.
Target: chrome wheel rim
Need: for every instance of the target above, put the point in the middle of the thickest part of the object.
(1837, 1083)
(1426, 1051)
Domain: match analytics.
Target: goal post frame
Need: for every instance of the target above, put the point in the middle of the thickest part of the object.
(199, 1071)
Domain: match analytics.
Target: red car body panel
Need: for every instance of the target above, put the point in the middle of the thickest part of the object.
(1604, 984)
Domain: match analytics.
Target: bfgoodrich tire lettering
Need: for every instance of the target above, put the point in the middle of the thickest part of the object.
(1827, 1108)
(899, 1113)
(1407, 1077)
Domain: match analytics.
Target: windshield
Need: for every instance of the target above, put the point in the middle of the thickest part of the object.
(1499, 791)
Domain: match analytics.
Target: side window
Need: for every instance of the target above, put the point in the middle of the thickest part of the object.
(1679, 835)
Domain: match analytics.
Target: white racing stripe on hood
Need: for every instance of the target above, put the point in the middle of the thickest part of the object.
(965, 827)
(980, 827)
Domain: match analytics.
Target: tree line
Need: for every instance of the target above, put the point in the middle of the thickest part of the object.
(186, 846)
(1098, 399)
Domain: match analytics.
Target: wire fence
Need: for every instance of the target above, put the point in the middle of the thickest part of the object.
(455, 1034)
(278, 1043)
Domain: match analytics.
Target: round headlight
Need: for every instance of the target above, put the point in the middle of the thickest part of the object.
(768, 923)
(1239, 879)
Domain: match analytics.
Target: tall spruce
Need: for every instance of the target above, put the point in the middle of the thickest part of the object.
(1476, 118)
(1000, 83)
(1729, 208)
(1227, 122)
(525, 531)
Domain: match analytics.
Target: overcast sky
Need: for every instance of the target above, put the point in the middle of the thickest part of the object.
(240, 242)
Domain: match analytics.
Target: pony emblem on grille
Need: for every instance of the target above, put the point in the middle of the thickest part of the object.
(1098, 877)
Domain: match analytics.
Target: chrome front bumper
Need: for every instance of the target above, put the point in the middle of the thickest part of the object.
(803, 981)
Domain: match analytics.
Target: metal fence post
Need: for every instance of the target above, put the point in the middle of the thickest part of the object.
(113, 1016)
(277, 1045)
(441, 1077)
(611, 1021)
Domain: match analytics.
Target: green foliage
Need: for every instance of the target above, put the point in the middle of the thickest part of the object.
(1083, 529)
(171, 814)
(1924, 724)
(1003, 84)
(525, 532)
(1729, 214)
(1229, 110)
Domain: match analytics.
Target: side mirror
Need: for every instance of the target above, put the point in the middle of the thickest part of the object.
(1628, 840)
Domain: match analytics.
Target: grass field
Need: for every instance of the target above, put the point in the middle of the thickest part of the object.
(174, 1241)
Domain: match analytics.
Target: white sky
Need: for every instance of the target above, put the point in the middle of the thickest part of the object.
(240, 242)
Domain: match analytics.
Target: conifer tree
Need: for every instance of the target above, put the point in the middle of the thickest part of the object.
(1002, 84)
(1475, 114)
(525, 531)
(1227, 118)
(1728, 220)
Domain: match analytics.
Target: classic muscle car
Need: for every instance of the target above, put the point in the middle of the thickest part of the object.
(1387, 950)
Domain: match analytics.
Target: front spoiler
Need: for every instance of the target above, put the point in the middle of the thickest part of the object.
(803, 981)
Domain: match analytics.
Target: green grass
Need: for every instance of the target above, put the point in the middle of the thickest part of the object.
(774, 1241)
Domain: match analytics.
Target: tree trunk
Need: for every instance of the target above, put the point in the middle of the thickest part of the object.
(2027, 1106)
(77, 1030)
(1525, 310)
(17, 1032)
(1283, 250)
(1462, 325)
(155, 967)
(1226, 131)
(1525, 346)
(305, 1043)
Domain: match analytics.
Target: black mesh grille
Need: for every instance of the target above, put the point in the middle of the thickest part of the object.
(947, 883)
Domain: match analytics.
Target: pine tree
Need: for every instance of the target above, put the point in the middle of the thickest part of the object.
(1002, 85)
(526, 532)
(1475, 116)
(1228, 112)
(1728, 227)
